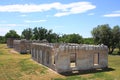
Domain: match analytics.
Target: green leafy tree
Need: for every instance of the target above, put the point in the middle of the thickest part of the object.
(64, 38)
(88, 41)
(40, 33)
(115, 37)
(72, 38)
(52, 37)
(35, 33)
(118, 46)
(27, 33)
(2, 39)
(102, 34)
(49, 35)
(12, 34)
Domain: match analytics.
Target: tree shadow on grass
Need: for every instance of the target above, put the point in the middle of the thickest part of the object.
(81, 72)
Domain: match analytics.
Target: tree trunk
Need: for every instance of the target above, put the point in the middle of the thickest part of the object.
(119, 51)
(112, 50)
(109, 50)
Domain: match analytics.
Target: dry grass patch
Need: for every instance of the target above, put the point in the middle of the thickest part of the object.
(15, 66)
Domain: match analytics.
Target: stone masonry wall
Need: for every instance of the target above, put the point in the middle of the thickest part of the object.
(22, 46)
(58, 58)
(10, 42)
(63, 57)
(43, 53)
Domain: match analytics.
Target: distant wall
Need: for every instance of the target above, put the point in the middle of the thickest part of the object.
(22, 46)
(10, 42)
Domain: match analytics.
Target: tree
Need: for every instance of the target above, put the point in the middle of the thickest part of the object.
(88, 41)
(2, 39)
(72, 38)
(52, 37)
(35, 33)
(12, 34)
(118, 46)
(115, 38)
(39, 33)
(27, 33)
(102, 34)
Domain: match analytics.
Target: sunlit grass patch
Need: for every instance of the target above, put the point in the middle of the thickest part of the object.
(31, 68)
(16, 66)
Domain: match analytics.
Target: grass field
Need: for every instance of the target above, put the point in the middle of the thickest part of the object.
(15, 66)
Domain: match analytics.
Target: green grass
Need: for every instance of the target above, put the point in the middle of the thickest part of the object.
(116, 52)
(15, 66)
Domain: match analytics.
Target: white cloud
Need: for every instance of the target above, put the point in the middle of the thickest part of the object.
(36, 21)
(62, 14)
(64, 9)
(8, 25)
(12, 25)
(4, 28)
(75, 8)
(26, 8)
(114, 14)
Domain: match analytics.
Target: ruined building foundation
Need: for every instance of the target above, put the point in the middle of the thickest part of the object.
(64, 57)
(69, 57)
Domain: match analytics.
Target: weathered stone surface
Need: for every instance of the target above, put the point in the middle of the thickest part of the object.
(10, 42)
(22, 46)
(60, 57)
(63, 57)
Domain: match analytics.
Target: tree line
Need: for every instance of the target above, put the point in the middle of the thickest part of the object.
(102, 34)
(40, 33)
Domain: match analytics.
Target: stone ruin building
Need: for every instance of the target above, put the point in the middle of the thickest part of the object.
(22, 46)
(10, 42)
(65, 57)
(69, 57)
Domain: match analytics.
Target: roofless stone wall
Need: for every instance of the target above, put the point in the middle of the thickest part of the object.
(63, 57)
(68, 57)
(10, 42)
(22, 46)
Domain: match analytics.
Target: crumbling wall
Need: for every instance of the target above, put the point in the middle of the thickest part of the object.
(16, 45)
(59, 57)
(43, 53)
(22, 46)
(63, 57)
(10, 42)
(87, 59)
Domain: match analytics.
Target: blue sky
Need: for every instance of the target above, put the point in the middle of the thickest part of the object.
(62, 16)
